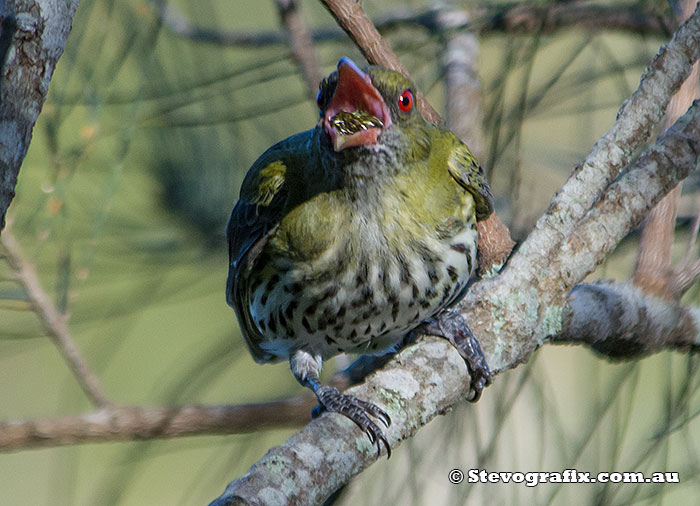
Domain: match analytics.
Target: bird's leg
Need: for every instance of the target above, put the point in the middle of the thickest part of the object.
(451, 326)
(366, 365)
(306, 367)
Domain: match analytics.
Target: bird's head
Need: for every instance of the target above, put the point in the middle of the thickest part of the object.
(365, 108)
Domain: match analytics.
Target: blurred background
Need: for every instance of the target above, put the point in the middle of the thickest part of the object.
(121, 204)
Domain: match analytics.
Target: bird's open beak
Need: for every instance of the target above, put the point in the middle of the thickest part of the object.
(355, 93)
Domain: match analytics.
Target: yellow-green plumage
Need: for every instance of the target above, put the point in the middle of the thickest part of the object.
(334, 251)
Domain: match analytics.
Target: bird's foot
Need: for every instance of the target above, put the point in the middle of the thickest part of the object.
(357, 410)
(454, 328)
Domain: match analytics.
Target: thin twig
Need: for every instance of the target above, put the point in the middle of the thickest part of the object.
(130, 423)
(303, 50)
(482, 20)
(653, 268)
(695, 227)
(462, 96)
(55, 323)
(683, 276)
(653, 271)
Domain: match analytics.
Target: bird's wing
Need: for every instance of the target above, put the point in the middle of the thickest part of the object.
(264, 200)
(464, 167)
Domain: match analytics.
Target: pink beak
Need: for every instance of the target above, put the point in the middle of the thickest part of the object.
(354, 92)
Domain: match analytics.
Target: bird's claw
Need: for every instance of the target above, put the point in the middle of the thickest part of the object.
(454, 328)
(357, 410)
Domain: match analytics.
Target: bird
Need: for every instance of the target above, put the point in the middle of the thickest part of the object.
(350, 235)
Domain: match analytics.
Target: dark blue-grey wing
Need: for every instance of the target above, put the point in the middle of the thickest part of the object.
(263, 202)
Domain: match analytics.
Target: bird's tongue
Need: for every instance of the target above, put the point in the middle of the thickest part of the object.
(355, 94)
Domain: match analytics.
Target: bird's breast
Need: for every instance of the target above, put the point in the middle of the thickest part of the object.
(363, 282)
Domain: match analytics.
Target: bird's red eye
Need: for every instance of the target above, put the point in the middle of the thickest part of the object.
(406, 101)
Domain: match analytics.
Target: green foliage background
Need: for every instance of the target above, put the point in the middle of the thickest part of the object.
(121, 204)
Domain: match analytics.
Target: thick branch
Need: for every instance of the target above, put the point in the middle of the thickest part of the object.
(8, 26)
(635, 121)
(621, 321)
(627, 201)
(42, 30)
(424, 381)
(524, 304)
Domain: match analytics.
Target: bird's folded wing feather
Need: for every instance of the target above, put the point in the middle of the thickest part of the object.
(264, 200)
(464, 167)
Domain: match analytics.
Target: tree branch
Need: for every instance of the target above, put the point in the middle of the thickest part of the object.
(612, 152)
(55, 323)
(482, 21)
(621, 321)
(42, 30)
(550, 18)
(8, 26)
(421, 382)
(303, 50)
(653, 271)
(126, 423)
(463, 114)
(628, 200)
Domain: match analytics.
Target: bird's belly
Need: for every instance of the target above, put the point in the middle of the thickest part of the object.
(336, 304)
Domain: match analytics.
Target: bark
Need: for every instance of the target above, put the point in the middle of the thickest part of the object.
(126, 423)
(42, 28)
(621, 321)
